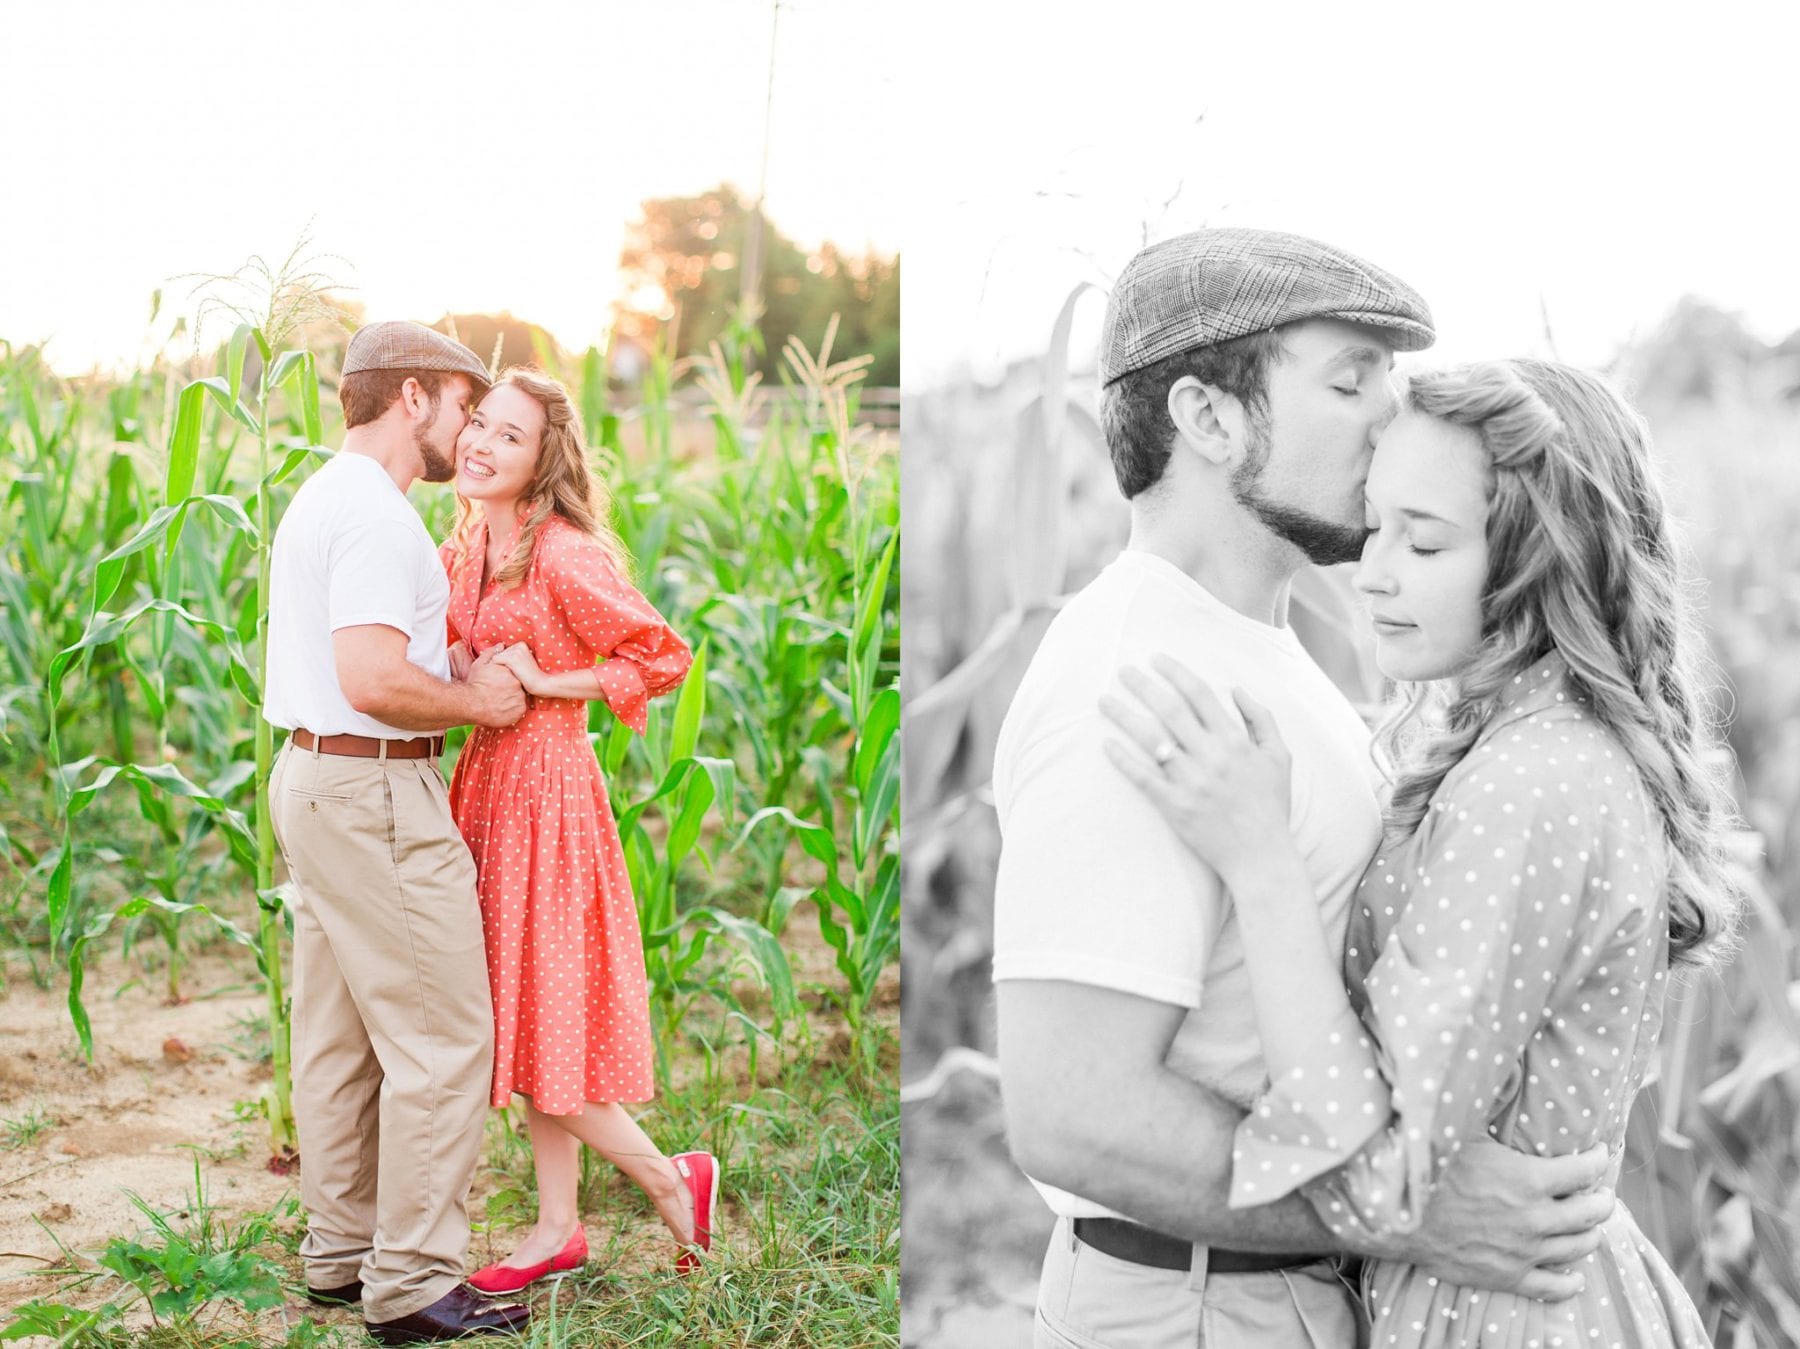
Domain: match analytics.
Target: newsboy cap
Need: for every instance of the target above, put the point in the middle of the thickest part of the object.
(400, 345)
(1212, 285)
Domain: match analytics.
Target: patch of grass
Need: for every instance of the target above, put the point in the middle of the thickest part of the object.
(189, 1269)
(809, 1248)
(26, 1129)
(250, 1037)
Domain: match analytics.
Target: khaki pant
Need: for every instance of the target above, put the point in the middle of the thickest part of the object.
(1090, 1300)
(393, 1023)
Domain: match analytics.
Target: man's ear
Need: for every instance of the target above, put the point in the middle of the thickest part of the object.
(414, 399)
(1203, 417)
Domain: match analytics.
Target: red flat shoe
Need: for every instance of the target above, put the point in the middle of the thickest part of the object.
(511, 1278)
(701, 1172)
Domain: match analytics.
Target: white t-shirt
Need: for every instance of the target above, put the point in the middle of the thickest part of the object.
(350, 550)
(1094, 887)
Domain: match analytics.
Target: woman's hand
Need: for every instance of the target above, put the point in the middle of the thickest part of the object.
(517, 658)
(1222, 787)
(460, 661)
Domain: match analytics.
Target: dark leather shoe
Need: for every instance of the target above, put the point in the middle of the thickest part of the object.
(459, 1312)
(344, 1295)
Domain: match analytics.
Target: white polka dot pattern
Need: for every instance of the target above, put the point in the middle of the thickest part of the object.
(1507, 965)
(565, 957)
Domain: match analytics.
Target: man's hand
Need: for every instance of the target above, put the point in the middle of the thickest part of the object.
(517, 657)
(500, 698)
(1503, 1220)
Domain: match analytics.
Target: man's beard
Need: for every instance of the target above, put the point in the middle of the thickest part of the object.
(1323, 541)
(438, 468)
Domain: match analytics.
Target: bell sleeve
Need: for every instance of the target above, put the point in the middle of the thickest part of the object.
(638, 655)
(1499, 902)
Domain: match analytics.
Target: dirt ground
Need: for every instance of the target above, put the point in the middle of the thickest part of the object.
(163, 1083)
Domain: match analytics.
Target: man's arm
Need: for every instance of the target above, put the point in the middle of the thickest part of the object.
(380, 682)
(1091, 1108)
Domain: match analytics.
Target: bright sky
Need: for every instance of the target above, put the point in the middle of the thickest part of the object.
(453, 156)
(1589, 161)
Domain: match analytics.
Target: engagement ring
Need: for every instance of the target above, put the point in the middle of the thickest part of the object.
(1163, 753)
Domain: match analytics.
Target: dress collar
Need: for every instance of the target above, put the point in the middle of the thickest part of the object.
(1543, 687)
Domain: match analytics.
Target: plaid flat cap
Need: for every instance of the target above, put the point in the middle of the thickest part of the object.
(1213, 285)
(400, 345)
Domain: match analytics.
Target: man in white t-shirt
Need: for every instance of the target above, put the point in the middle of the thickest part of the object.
(393, 1026)
(1245, 375)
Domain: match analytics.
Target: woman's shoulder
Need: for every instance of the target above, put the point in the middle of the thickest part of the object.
(560, 539)
(1538, 764)
(565, 549)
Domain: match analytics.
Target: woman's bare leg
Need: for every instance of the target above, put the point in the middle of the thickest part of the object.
(609, 1130)
(556, 1154)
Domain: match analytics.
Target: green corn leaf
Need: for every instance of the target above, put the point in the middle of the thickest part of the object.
(61, 876)
(882, 724)
(873, 593)
(104, 628)
(231, 511)
(816, 839)
(309, 400)
(723, 773)
(690, 707)
(850, 902)
(838, 938)
(234, 361)
(121, 495)
(874, 809)
(286, 369)
(695, 799)
(822, 768)
(169, 779)
(111, 568)
(677, 774)
(234, 408)
(184, 445)
(770, 961)
(618, 745)
(293, 459)
(881, 914)
(84, 1031)
(781, 905)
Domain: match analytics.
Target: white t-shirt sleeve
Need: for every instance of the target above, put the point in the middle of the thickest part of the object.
(372, 577)
(1094, 887)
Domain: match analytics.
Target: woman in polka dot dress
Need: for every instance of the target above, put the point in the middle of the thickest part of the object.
(1553, 846)
(538, 584)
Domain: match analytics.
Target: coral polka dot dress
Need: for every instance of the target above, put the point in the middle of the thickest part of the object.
(565, 957)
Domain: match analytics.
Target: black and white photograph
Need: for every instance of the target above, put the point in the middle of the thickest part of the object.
(1351, 600)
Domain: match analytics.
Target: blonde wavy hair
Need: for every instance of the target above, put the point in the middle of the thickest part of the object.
(563, 484)
(1580, 562)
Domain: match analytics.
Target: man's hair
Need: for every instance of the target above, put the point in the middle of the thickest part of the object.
(367, 394)
(1134, 408)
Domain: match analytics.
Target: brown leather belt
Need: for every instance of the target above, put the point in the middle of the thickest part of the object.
(1141, 1246)
(368, 747)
